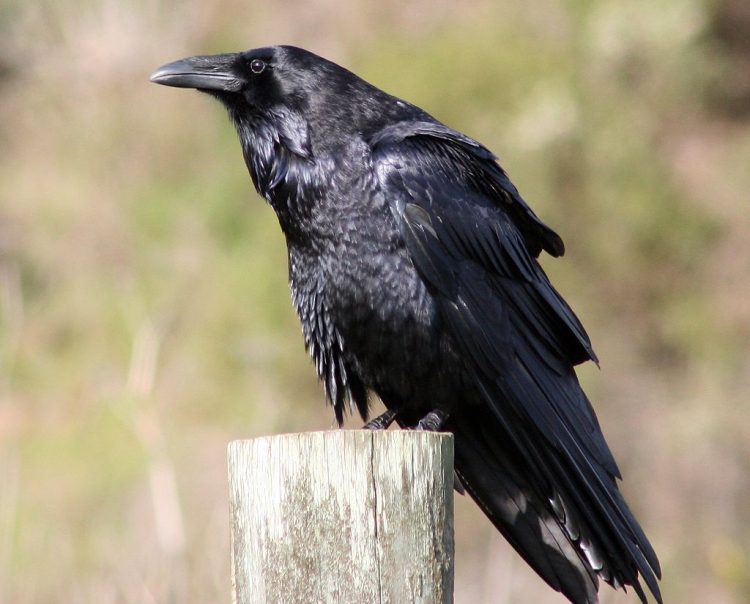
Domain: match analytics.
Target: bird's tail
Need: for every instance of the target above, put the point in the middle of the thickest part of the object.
(539, 525)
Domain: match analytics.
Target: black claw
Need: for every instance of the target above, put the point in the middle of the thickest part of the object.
(433, 421)
(381, 422)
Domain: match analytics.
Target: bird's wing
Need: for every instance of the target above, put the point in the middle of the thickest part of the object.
(473, 241)
(481, 170)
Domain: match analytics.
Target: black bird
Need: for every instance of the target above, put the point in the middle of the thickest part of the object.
(413, 268)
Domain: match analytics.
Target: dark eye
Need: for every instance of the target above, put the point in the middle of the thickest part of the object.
(257, 66)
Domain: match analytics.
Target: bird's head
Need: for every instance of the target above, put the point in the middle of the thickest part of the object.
(257, 79)
(284, 81)
(288, 105)
(270, 94)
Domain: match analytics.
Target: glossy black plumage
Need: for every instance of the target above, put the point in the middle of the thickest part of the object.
(412, 264)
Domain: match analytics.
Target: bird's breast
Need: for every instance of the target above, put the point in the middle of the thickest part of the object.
(356, 288)
(386, 323)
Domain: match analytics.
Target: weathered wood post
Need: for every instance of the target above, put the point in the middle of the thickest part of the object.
(350, 516)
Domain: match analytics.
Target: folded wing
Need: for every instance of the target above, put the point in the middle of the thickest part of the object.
(531, 451)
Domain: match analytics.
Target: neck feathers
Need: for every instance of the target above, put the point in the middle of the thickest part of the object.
(278, 155)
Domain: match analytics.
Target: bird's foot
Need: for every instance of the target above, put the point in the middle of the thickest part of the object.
(381, 422)
(433, 421)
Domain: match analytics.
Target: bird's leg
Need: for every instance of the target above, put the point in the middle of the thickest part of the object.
(433, 421)
(381, 422)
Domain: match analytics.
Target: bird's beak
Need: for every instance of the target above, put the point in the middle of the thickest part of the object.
(203, 73)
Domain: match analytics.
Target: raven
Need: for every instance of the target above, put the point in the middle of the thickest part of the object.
(413, 269)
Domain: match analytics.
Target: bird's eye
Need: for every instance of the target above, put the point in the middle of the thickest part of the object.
(257, 66)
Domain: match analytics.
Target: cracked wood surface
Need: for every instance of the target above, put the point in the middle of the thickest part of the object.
(342, 516)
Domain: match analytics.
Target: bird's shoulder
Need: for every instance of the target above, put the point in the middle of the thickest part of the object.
(434, 157)
(460, 215)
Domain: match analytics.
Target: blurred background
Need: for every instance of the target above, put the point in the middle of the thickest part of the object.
(144, 311)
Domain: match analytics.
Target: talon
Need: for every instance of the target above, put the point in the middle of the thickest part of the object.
(381, 422)
(433, 421)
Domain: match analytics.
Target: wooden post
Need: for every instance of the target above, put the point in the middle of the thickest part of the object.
(350, 516)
